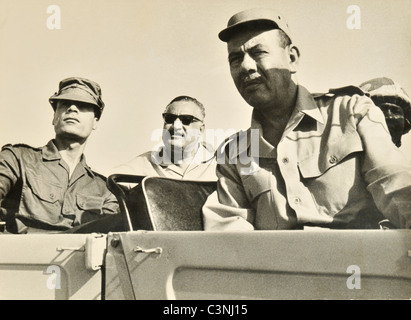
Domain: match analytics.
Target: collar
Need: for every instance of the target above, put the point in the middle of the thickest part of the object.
(50, 152)
(305, 105)
(265, 149)
(204, 154)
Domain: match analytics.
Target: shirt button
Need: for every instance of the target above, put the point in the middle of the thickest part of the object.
(297, 200)
(285, 160)
(333, 159)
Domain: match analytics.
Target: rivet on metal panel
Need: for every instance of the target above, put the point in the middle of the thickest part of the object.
(157, 250)
(115, 242)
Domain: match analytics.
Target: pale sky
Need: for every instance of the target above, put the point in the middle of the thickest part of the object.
(144, 53)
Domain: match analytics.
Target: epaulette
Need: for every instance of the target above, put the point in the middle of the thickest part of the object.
(18, 145)
(104, 178)
(6, 146)
(350, 90)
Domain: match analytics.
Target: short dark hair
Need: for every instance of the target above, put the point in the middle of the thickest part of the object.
(191, 99)
(284, 39)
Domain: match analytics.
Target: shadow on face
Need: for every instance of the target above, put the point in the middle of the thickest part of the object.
(261, 66)
(74, 119)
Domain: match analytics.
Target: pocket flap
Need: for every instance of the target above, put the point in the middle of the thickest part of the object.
(318, 164)
(43, 189)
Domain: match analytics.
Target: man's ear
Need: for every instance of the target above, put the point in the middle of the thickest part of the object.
(95, 123)
(294, 54)
(54, 119)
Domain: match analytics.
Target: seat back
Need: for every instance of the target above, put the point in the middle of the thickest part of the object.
(161, 204)
(121, 186)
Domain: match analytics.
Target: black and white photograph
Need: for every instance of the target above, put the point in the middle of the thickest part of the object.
(205, 151)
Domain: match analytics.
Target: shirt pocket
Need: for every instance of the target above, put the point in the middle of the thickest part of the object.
(332, 155)
(90, 204)
(43, 189)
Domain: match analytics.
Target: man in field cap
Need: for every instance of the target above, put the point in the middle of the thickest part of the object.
(81, 90)
(317, 160)
(51, 188)
(257, 18)
(394, 102)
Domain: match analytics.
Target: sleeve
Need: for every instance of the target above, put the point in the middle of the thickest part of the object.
(110, 205)
(9, 174)
(386, 170)
(227, 208)
(110, 202)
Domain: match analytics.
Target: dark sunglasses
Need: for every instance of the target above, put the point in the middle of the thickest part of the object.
(186, 119)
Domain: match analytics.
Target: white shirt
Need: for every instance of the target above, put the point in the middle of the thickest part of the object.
(201, 167)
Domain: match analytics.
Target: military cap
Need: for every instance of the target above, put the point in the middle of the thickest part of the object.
(385, 90)
(79, 89)
(257, 17)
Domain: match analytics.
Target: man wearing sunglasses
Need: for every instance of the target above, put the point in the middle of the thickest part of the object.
(182, 154)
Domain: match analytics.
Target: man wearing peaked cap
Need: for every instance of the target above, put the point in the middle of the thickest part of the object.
(51, 188)
(323, 160)
(252, 19)
(79, 89)
(394, 102)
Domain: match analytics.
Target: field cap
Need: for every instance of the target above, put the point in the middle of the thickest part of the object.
(257, 17)
(384, 90)
(79, 89)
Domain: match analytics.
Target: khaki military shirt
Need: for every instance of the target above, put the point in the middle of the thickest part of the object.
(335, 167)
(202, 167)
(36, 191)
